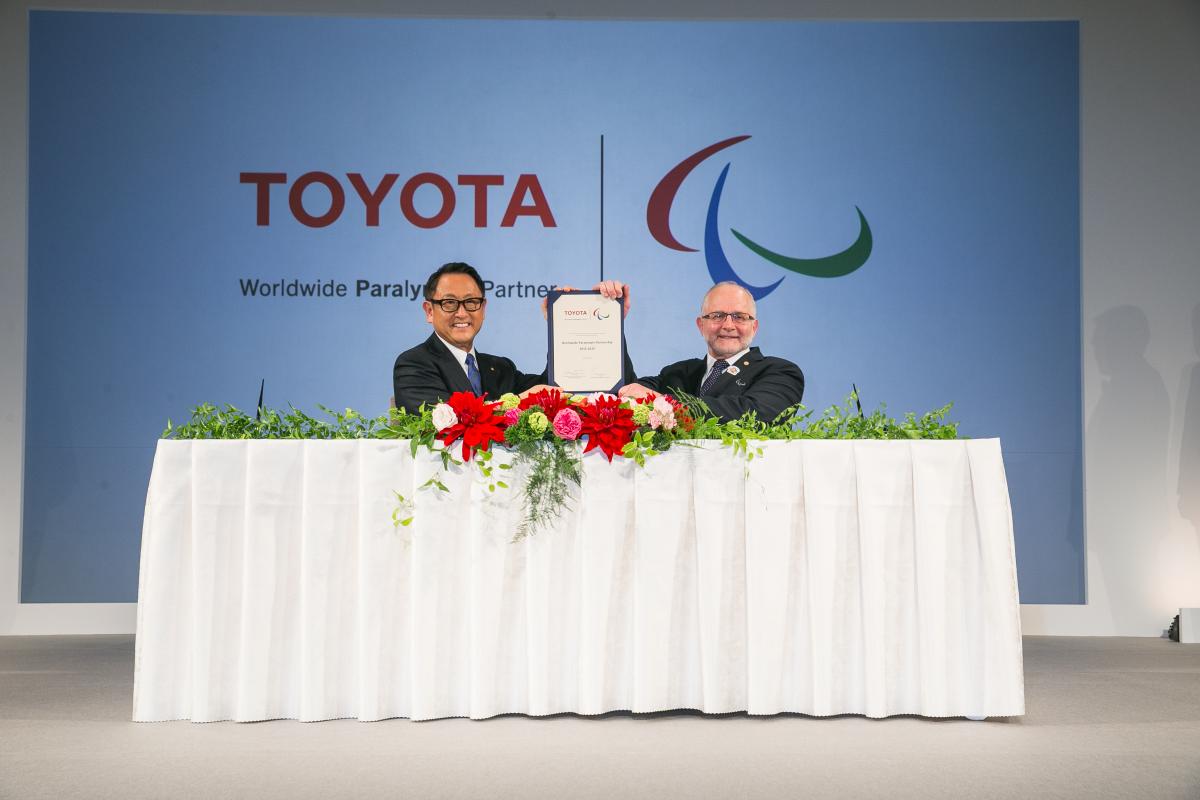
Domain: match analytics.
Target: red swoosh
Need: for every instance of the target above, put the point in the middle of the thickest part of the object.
(658, 210)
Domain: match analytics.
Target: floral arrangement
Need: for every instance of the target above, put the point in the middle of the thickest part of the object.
(606, 421)
(549, 431)
(542, 429)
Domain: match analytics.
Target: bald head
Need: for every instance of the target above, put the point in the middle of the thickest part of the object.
(724, 290)
(727, 337)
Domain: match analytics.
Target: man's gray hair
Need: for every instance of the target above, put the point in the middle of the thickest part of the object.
(736, 285)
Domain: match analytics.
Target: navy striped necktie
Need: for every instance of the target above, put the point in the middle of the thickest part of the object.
(718, 369)
(473, 374)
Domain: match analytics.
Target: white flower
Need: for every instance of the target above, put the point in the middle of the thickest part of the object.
(594, 396)
(443, 416)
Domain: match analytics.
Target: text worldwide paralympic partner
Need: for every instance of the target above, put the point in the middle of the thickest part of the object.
(362, 287)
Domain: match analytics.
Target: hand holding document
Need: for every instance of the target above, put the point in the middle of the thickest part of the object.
(614, 289)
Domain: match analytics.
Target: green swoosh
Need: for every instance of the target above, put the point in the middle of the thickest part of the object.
(834, 266)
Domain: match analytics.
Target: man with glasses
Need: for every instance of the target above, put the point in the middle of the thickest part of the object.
(447, 361)
(734, 377)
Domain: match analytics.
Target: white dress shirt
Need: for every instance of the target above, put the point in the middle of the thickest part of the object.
(461, 355)
(709, 361)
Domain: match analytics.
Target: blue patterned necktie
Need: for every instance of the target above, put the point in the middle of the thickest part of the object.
(473, 374)
(718, 368)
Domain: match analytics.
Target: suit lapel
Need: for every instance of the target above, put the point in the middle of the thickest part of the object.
(727, 383)
(488, 376)
(693, 376)
(447, 364)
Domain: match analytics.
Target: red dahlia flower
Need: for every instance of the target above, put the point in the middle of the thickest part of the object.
(551, 401)
(608, 425)
(478, 424)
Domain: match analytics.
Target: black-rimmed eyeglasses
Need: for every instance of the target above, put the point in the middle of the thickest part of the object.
(719, 316)
(451, 304)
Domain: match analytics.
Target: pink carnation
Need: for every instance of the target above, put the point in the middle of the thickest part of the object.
(567, 424)
(663, 415)
(511, 416)
(658, 420)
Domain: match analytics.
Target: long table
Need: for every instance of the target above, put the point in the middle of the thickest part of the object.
(821, 577)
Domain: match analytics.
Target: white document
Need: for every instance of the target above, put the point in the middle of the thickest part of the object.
(586, 342)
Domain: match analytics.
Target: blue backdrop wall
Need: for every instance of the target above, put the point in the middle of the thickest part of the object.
(178, 164)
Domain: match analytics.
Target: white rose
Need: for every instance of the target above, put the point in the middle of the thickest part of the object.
(443, 416)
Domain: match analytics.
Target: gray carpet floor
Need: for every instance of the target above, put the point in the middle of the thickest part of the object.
(1107, 718)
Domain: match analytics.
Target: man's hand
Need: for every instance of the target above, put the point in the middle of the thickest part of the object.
(614, 290)
(541, 387)
(634, 390)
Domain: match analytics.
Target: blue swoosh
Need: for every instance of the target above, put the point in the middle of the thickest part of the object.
(718, 265)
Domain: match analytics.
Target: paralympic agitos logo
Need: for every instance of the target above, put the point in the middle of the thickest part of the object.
(658, 217)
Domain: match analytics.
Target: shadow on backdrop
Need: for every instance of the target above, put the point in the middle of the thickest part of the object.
(1189, 445)
(1127, 435)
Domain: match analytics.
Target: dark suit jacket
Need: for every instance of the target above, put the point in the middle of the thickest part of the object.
(429, 373)
(763, 384)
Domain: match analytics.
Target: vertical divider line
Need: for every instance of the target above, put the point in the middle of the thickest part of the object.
(602, 207)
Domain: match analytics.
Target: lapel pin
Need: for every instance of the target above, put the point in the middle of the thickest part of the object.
(745, 363)
(732, 371)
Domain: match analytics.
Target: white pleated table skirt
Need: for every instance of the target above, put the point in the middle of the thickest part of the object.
(824, 577)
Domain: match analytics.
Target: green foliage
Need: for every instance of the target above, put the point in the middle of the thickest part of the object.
(553, 464)
(402, 514)
(836, 422)
(524, 432)
(845, 422)
(647, 443)
(483, 461)
(211, 422)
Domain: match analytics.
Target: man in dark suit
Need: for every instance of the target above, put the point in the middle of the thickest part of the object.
(447, 361)
(734, 377)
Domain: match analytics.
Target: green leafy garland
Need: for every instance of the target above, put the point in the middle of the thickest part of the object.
(552, 465)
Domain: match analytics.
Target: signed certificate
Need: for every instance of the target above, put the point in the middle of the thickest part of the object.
(587, 342)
